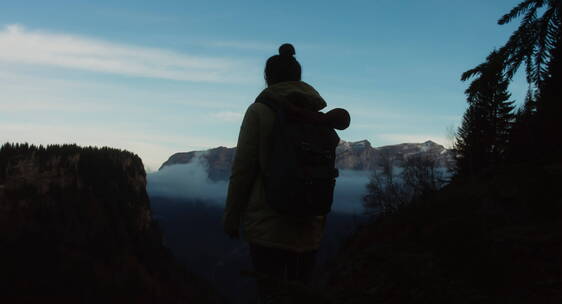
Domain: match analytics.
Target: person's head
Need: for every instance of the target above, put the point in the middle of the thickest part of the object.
(282, 67)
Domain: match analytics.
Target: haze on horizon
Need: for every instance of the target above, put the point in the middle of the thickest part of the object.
(160, 78)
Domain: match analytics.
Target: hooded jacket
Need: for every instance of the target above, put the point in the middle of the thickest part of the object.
(246, 204)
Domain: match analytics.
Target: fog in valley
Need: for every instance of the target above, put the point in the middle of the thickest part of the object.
(188, 207)
(190, 182)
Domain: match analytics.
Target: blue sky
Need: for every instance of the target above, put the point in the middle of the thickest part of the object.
(158, 77)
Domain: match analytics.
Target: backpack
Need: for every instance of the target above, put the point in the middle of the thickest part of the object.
(300, 176)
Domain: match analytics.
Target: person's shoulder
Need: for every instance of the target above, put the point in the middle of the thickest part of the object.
(257, 110)
(257, 107)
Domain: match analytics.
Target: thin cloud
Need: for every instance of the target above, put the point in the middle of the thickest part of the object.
(21, 46)
(26, 90)
(228, 116)
(27, 104)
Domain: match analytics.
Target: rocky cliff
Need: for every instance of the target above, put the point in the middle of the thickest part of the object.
(358, 155)
(219, 160)
(361, 155)
(75, 226)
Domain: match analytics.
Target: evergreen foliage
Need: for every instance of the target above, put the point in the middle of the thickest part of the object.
(517, 206)
(76, 227)
(93, 164)
(534, 41)
(490, 134)
(484, 136)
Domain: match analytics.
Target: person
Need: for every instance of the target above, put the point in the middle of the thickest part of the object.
(282, 247)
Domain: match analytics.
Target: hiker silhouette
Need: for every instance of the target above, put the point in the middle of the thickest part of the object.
(283, 176)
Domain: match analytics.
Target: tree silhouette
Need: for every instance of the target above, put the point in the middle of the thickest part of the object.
(483, 138)
(536, 44)
(535, 41)
(467, 142)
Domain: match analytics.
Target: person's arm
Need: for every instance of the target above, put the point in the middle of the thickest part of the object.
(245, 169)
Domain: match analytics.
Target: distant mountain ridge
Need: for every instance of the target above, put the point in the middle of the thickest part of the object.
(218, 159)
(359, 155)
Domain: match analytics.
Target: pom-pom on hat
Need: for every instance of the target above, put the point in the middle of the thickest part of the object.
(282, 67)
(287, 49)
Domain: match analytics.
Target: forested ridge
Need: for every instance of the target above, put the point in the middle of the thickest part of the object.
(76, 227)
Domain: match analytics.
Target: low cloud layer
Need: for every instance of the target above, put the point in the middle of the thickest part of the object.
(190, 181)
(350, 188)
(21, 46)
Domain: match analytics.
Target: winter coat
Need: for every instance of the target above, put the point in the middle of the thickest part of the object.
(246, 205)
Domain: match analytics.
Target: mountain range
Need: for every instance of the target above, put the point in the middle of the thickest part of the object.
(359, 155)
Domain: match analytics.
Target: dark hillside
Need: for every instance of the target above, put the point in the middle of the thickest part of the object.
(76, 227)
(496, 238)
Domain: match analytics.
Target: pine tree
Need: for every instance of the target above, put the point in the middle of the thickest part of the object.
(468, 142)
(534, 41)
(536, 44)
(484, 135)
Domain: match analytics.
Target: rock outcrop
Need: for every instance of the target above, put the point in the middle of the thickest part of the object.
(75, 226)
(219, 160)
(358, 155)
